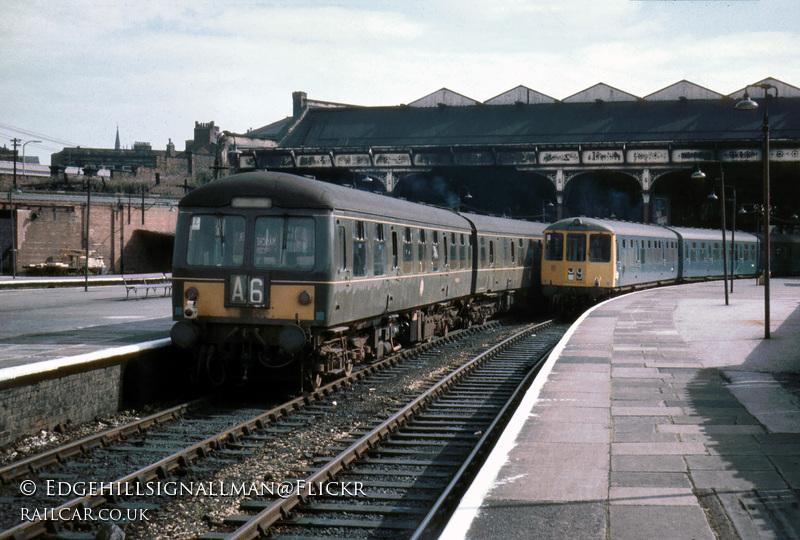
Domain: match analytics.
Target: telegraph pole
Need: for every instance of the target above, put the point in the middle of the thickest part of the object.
(16, 143)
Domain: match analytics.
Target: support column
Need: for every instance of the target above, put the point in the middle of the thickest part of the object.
(646, 207)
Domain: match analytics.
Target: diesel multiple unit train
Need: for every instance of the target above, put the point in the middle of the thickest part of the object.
(275, 272)
(281, 276)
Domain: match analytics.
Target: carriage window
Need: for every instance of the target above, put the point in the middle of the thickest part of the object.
(379, 254)
(483, 253)
(553, 246)
(462, 252)
(435, 251)
(395, 251)
(341, 253)
(216, 240)
(445, 250)
(491, 252)
(513, 254)
(599, 248)
(359, 250)
(576, 247)
(421, 250)
(284, 242)
(408, 253)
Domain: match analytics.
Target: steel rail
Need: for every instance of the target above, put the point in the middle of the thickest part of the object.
(182, 458)
(102, 438)
(478, 454)
(280, 509)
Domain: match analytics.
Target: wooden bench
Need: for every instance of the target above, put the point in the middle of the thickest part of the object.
(162, 284)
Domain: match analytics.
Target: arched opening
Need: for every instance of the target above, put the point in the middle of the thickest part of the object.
(483, 190)
(604, 195)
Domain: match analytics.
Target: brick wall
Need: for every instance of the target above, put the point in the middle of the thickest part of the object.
(117, 232)
(72, 398)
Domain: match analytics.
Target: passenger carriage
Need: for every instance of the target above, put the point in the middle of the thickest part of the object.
(593, 257)
(701, 254)
(273, 270)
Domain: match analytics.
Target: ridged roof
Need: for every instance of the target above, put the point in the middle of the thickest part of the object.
(542, 123)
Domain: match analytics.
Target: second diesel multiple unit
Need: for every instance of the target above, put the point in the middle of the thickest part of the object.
(595, 258)
(277, 271)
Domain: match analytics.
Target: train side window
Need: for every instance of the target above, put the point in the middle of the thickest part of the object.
(576, 247)
(359, 250)
(553, 246)
(395, 251)
(435, 251)
(513, 254)
(408, 252)
(445, 250)
(482, 254)
(491, 252)
(379, 253)
(599, 248)
(421, 250)
(462, 252)
(341, 253)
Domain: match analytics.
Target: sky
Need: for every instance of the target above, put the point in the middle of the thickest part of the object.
(73, 71)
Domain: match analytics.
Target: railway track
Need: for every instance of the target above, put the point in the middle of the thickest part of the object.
(91, 458)
(400, 478)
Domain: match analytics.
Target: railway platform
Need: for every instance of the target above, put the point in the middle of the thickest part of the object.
(45, 319)
(661, 414)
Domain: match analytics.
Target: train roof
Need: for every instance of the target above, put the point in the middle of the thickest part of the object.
(712, 235)
(298, 192)
(625, 228)
(501, 225)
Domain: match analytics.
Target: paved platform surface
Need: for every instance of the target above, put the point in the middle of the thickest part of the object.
(665, 415)
(41, 324)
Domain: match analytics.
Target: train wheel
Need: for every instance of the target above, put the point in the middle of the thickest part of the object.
(313, 380)
(215, 367)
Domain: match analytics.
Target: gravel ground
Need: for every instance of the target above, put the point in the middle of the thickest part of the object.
(184, 517)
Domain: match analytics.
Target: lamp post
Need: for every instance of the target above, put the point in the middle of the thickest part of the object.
(700, 175)
(23, 155)
(748, 104)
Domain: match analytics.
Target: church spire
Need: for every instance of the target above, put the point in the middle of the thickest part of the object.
(116, 144)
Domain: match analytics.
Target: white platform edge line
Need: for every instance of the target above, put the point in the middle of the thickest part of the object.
(461, 520)
(46, 366)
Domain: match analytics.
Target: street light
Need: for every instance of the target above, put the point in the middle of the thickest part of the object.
(700, 175)
(23, 155)
(748, 104)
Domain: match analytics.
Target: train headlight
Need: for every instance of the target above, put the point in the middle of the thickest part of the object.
(183, 334)
(304, 298)
(191, 294)
(291, 338)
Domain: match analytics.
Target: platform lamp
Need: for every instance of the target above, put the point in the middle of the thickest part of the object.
(700, 175)
(748, 104)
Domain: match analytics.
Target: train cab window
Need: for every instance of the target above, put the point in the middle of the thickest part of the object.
(216, 240)
(599, 248)
(379, 252)
(576, 247)
(421, 250)
(284, 242)
(553, 246)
